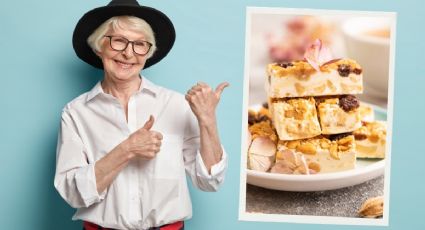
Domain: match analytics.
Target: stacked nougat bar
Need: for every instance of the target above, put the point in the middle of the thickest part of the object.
(371, 137)
(312, 111)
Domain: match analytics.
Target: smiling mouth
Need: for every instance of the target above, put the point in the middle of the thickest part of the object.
(123, 64)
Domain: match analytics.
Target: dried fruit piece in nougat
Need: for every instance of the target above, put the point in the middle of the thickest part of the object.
(371, 139)
(262, 149)
(300, 79)
(322, 154)
(339, 114)
(255, 117)
(295, 118)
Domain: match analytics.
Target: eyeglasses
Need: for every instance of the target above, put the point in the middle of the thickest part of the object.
(118, 43)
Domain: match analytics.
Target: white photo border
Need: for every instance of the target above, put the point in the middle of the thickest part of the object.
(246, 216)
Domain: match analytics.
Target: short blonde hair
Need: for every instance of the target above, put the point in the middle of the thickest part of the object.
(122, 22)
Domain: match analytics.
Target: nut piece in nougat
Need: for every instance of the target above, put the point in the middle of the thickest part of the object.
(339, 114)
(300, 79)
(371, 139)
(366, 112)
(322, 154)
(295, 118)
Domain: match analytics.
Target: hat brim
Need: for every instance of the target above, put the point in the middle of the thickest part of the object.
(161, 25)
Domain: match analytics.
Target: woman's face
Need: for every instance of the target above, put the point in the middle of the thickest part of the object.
(122, 65)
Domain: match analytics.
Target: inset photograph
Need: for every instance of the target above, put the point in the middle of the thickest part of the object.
(316, 132)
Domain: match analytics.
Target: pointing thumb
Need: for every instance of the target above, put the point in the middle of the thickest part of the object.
(220, 88)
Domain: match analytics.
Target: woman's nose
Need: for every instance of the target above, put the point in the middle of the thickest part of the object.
(128, 52)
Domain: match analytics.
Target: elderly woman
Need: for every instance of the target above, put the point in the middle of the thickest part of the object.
(125, 146)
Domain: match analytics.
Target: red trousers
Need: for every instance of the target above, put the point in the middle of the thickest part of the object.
(174, 226)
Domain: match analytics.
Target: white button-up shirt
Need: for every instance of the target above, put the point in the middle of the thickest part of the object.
(146, 193)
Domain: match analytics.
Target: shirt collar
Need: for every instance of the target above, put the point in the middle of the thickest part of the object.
(146, 85)
(96, 90)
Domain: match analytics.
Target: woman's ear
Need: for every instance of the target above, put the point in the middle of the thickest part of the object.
(98, 53)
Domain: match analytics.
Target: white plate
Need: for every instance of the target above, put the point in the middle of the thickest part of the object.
(366, 169)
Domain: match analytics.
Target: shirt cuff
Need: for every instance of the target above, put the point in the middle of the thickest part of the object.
(217, 170)
(85, 179)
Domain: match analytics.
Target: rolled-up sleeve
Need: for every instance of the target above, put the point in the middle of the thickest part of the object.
(75, 178)
(206, 181)
(194, 164)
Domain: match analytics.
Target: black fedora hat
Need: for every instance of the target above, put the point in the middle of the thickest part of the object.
(161, 25)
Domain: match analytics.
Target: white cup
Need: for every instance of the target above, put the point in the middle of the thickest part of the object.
(370, 50)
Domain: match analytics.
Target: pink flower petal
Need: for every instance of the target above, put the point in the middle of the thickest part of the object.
(263, 146)
(317, 54)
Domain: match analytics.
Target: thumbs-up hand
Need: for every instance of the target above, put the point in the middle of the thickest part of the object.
(144, 143)
(148, 125)
(203, 100)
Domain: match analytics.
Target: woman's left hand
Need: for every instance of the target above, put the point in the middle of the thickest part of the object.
(203, 100)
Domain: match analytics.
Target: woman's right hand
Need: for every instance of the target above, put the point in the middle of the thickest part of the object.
(144, 143)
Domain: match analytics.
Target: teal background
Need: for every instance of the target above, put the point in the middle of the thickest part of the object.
(40, 73)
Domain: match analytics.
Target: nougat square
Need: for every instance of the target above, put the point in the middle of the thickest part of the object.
(339, 114)
(322, 154)
(300, 79)
(295, 118)
(371, 139)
